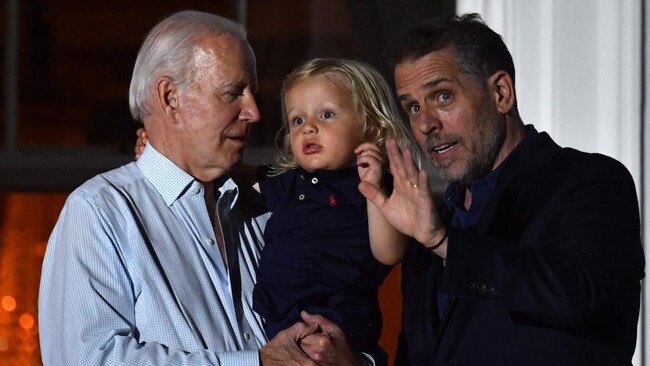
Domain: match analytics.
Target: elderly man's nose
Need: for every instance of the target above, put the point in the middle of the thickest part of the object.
(250, 112)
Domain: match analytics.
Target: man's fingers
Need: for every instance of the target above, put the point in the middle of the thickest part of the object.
(322, 322)
(372, 193)
(284, 348)
(423, 181)
(301, 330)
(316, 345)
(396, 163)
(409, 167)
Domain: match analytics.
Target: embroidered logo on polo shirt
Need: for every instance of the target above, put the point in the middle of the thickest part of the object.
(332, 200)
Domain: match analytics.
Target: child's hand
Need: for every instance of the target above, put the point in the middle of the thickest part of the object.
(140, 142)
(370, 163)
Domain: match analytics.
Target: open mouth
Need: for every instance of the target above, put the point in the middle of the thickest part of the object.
(443, 148)
(311, 148)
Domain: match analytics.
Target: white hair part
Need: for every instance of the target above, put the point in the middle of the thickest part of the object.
(167, 51)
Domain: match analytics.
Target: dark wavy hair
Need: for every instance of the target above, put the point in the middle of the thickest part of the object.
(479, 51)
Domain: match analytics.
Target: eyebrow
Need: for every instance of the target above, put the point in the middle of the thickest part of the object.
(428, 85)
(235, 85)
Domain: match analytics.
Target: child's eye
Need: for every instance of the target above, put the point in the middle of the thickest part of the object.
(297, 121)
(328, 114)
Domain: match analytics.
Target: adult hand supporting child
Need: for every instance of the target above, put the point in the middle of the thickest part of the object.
(329, 346)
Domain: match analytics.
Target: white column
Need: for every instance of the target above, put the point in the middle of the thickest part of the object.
(579, 77)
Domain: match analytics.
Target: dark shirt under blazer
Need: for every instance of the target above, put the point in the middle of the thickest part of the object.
(549, 276)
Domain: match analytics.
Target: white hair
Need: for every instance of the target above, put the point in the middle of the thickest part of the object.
(167, 51)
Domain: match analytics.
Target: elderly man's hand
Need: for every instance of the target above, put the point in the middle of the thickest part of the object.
(284, 349)
(329, 346)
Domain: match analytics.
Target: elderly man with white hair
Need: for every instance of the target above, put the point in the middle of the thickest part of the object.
(154, 262)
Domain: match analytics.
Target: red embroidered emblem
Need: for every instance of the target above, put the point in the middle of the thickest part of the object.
(332, 200)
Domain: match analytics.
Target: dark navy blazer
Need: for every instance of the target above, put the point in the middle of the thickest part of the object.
(550, 276)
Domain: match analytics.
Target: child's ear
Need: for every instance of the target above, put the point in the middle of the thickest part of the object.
(374, 134)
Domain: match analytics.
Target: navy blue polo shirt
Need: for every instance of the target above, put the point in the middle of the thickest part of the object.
(317, 255)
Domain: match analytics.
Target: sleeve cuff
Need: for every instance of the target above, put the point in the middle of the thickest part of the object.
(369, 360)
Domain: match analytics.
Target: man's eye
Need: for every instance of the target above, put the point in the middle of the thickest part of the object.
(414, 108)
(232, 95)
(444, 97)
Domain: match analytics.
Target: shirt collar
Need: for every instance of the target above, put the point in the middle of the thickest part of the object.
(482, 189)
(171, 181)
(328, 175)
(166, 177)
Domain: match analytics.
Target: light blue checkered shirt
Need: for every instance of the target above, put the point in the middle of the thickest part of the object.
(133, 276)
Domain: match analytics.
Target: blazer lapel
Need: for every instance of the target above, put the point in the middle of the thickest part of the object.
(517, 177)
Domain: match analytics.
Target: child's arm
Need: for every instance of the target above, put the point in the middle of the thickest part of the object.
(387, 244)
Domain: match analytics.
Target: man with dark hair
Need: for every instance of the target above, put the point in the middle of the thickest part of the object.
(534, 257)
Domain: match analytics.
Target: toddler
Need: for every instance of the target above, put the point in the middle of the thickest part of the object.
(337, 115)
(326, 250)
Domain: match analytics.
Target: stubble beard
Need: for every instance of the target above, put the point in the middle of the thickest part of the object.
(482, 149)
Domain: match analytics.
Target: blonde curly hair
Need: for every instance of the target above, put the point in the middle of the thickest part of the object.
(369, 93)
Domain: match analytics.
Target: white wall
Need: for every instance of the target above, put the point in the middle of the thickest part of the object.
(579, 77)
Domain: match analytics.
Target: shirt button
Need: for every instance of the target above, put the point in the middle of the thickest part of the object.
(247, 336)
(197, 190)
(314, 180)
(301, 197)
(209, 241)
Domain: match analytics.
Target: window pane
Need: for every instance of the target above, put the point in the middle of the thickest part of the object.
(76, 59)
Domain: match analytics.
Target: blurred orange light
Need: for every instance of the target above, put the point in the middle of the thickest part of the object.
(4, 344)
(5, 318)
(9, 303)
(23, 333)
(26, 321)
(30, 345)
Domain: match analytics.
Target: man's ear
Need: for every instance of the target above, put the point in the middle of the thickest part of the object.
(503, 89)
(167, 95)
